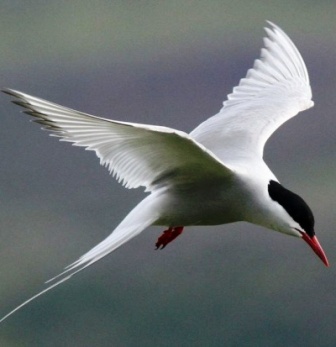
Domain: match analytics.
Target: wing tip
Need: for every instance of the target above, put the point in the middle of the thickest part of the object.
(10, 92)
(270, 23)
(273, 26)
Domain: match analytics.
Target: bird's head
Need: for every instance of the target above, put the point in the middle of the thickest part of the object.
(301, 217)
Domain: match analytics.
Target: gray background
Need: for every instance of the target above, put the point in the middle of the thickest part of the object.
(169, 63)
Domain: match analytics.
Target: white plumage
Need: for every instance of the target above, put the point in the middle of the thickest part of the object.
(274, 90)
(214, 175)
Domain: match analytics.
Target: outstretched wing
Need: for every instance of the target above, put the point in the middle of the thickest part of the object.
(137, 154)
(274, 90)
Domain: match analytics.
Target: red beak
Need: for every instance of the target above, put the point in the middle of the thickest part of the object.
(316, 247)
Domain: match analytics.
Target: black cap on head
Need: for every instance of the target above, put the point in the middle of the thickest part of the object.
(294, 205)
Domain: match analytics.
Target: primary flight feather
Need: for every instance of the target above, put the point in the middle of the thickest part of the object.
(214, 175)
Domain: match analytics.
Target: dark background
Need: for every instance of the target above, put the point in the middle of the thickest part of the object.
(170, 63)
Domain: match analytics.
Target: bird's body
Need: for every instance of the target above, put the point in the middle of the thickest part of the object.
(214, 175)
(203, 203)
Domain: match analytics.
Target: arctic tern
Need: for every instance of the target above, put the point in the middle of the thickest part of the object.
(214, 175)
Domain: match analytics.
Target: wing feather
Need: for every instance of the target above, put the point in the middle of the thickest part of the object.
(136, 154)
(273, 91)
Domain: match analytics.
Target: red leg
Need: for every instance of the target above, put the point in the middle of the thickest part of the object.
(168, 236)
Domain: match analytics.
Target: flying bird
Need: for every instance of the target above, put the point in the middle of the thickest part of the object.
(214, 175)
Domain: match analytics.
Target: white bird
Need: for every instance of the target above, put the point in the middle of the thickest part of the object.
(214, 175)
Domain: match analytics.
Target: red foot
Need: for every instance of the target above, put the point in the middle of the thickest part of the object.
(168, 236)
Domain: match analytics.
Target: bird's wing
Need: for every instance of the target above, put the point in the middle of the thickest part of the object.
(137, 154)
(273, 91)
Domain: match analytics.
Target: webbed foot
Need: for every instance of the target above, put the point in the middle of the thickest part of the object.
(168, 236)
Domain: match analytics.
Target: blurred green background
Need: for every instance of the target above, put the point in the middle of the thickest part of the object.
(170, 63)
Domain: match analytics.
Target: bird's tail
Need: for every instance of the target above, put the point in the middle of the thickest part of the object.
(142, 216)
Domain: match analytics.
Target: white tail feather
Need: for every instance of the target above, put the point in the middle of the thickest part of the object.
(142, 216)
